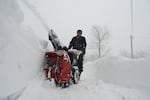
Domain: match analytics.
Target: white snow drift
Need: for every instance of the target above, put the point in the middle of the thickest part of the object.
(22, 48)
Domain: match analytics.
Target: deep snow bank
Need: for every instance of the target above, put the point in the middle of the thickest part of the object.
(132, 73)
(21, 52)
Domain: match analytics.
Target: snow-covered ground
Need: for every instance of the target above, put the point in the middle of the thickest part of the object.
(92, 85)
(22, 48)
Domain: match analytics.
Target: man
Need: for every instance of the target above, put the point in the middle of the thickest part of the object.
(79, 42)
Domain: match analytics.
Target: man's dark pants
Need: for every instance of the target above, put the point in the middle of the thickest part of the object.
(80, 62)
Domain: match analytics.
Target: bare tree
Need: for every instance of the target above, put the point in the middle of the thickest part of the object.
(101, 34)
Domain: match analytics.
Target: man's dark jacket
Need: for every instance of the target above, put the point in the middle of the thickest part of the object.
(79, 43)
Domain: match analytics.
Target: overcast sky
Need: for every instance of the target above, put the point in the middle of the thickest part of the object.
(66, 16)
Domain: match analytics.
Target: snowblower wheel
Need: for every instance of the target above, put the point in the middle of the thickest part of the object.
(76, 76)
(66, 84)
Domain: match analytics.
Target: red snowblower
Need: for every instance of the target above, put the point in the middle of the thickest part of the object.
(59, 67)
(61, 64)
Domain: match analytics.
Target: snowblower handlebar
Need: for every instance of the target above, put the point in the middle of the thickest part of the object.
(78, 52)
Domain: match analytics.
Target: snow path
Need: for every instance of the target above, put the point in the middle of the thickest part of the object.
(87, 89)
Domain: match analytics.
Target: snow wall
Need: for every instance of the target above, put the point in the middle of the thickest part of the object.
(21, 50)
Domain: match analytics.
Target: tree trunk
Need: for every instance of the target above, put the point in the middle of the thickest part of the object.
(99, 49)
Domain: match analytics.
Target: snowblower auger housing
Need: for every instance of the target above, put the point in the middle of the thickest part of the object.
(59, 67)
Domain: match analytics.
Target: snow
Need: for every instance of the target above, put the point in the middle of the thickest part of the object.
(22, 49)
(94, 90)
(124, 71)
(90, 87)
